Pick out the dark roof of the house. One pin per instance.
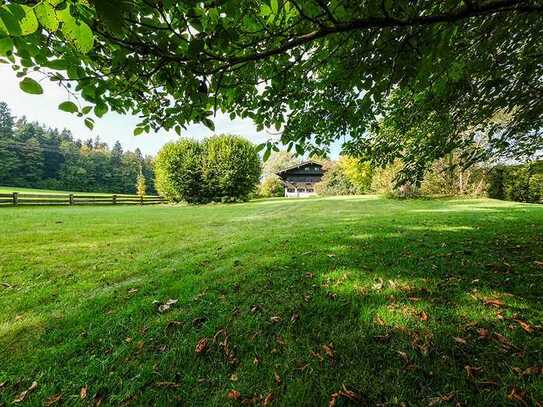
(301, 165)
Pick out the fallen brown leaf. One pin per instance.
(167, 305)
(201, 346)
(329, 350)
(524, 325)
(295, 317)
(483, 333)
(21, 397)
(517, 395)
(494, 303)
(460, 340)
(277, 378)
(233, 395)
(471, 371)
(275, 319)
(434, 401)
(423, 316)
(83, 392)
(506, 344)
(267, 400)
(343, 393)
(54, 399)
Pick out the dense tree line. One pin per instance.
(34, 156)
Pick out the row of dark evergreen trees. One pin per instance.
(34, 156)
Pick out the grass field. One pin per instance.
(288, 302)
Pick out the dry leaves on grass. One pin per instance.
(275, 319)
(472, 371)
(83, 392)
(494, 303)
(343, 393)
(277, 378)
(460, 340)
(201, 346)
(434, 401)
(233, 395)
(423, 316)
(517, 395)
(54, 399)
(225, 346)
(21, 397)
(524, 325)
(530, 371)
(166, 306)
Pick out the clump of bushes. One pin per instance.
(522, 183)
(271, 186)
(347, 176)
(222, 168)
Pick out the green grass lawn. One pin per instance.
(423, 302)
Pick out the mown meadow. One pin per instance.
(325, 301)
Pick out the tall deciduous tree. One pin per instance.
(316, 70)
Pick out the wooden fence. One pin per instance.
(20, 198)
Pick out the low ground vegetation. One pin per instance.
(413, 302)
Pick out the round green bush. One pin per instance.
(178, 171)
(231, 168)
(221, 168)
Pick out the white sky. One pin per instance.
(111, 127)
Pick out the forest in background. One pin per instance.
(35, 156)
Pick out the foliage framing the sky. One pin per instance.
(315, 70)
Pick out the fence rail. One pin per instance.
(20, 198)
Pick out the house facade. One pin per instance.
(300, 180)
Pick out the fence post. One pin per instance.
(71, 197)
(114, 198)
(15, 198)
(141, 199)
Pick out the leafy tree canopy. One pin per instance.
(436, 72)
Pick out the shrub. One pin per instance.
(222, 168)
(334, 181)
(231, 168)
(178, 171)
(271, 186)
(535, 188)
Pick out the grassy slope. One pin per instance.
(357, 271)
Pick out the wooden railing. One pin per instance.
(21, 198)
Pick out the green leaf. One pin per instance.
(112, 13)
(86, 109)
(267, 154)
(100, 109)
(274, 6)
(47, 16)
(208, 123)
(6, 46)
(29, 85)
(77, 33)
(89, 122)
(68, 106)
(18, 20)
(138, 131)
(260, 146)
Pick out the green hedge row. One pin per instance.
(522, 183)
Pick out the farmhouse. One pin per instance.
(300, 180)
